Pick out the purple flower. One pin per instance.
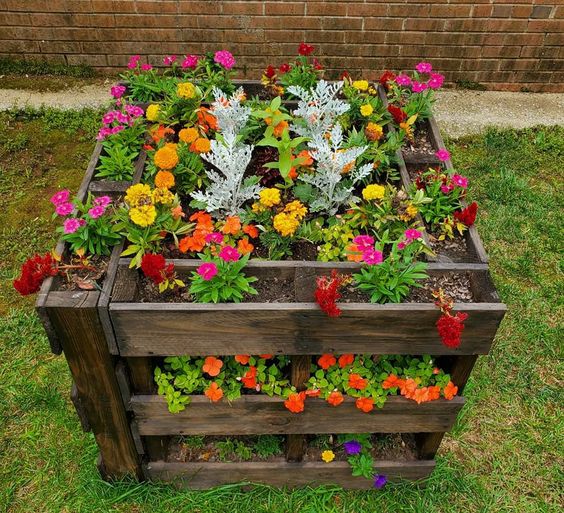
(102, 201)
(169, 59)
(229, 254)
(146, 67)
(436, 81)
(424, 67)
(60, 197)
(71, 225)
(64, 209)
(379, 481)
(418, 87)
(96, 212)
(117, 91)
(352, 447)
(372, 257)
(190, 61)
(207, 270)
(363, 242)
(133, 60)
(411, 234)
(403, 80)
(215, 237)
(443, 154)
(224, 58)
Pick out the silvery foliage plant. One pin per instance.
(332, 187)
(227, 191)
(318, 108)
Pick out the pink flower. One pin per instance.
(146, 67)
(60, 197)
(169, 59)
(401, 245)
(436, 81)
(117, 129)
(372, 257)
(121, 117)
(447, 188)
(108, 118)
(103, 133)
(214, 237)
(224, 58)
(363, 242)
(207, 270)
(117, 91)
(102, 201)
(443, 154)
(96, 212)
(71, 225)
(64, 209)
(411, 234)
(403, 80)
(132, 64)
(190, 61)
(424, 67)
(418, 87)
(229, 254)
(460, 180)
(134, 110)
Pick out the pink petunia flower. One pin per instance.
(190, 61)
(169, 59)
(207, 270)
(60, 197)
(424, 67)
(146, 67)
(411, 234)
(215, 237)
(64, 209)
(436, 81)
(372, 257)
(224, 58)
(117, 91)
(418, 87)
(96, 212)
(403, 80)
(460, 181)
(229, 254)
(443, 154)
(133, 60)
(102, 201)
(363, 242)
(71, 225)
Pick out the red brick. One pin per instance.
(502, 11)
(409, 10)
(249, 8)
(482, 11)
(157, 6)
(284, 8)
(450, 11)
(365, 10)
(541, 11)
(547, 26)
(521, 11)
(326, 9)
(501, 51)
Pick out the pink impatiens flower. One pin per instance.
(403, 80)
(60, 197)
(96, 212)
(117, 91)
(424, 67)
(207, 270)
(443, 154)
(224, 58)
(372, 257)
(411, 234)
(460, 181)
(169, 59)
(436, 81)
(190, 61)
(363, 242)
(215, 237)
(229, 254)
(71, 225)
(64, 209)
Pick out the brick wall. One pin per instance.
(504, 44)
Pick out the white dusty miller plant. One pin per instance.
(332, 185)
(227, 191)
(318, 108)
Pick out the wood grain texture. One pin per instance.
(79, 407)
(300, 367)
(281, 474)
(267, 415)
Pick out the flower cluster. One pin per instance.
(159, 272)
(449, 326)
(33, 273)
(327, 293)
(114, 121)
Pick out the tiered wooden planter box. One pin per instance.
(112, 343)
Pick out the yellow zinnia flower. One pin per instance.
(152, 112)
(297, 209)
(269, 197)
(186, 90)
(163, 196)
(327, 456)
(144, 215)
(166, 157)
(373, 191)
(360, 85)
(285, 224)
(139, 194)
(366, 110)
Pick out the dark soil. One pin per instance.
(421, 143)
(149, 293)
(455, 250)
(85, 279)
(301, 250)
(273, 290)
(457, 286)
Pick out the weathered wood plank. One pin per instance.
(281, 474)
(299, 375)
(262, 414)
(79, 407)
(104, 300)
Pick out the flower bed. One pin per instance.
(284, 220)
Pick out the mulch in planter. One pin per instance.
(82, 279)
(421, 143)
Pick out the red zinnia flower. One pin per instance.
(467, 215)
(34, 271)
(305, 49)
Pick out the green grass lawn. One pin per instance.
(504, 454)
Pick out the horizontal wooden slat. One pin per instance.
(281, 473)
(260, 414)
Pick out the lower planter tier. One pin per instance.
(282, 474)
(257, 414)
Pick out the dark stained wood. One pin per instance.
(123, 383)
(281, 474)
(79, 407)
(267, 415)
(137, 439)
(299, 375)
(104, 300)
(421, 159)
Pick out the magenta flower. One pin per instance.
(146, 67)
(108, 118)
(424, 67)
(224, 58)
(103, 133)
(117, 129)
(60, 197)
(214, 237)
(352, 447)
(121, 117)
(71, 225)
(133, 110)
(447, 188)
(418, 87)
(133, 60)
(64, 209)
(169, 59)
(117, 91)
(380, 481)
(436, 81)
(411, 234)
(372, 257)
(190, 61)
(96, 212)
(207, 270)
(363, 242)
(460, 181)
(401, 245)
(102, 201)
(403, 80)
(443, 154)
(229, 254)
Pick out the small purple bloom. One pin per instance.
(443, 154)
(363, 242)
(190, 61)
(424, 67)
(96, 212)
(460, 181)
(214, 237)
(436, 81)
(64, 209)
(224, 58)
(60, 197)
(169, 59)
(102, 201)
(403, 80)
(352, 447)
(146, 67)
(71, 225)
(412, 234)
(380, 481)
(372, 257)
(117, 91)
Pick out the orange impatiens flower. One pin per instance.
(391, 381)
(243, 359)
(266, 356)
(195, 242)
(450, 390)
(313, 393)
(212, 365)
(408, 387)
(326, 361)
(232, 226)
(251, 230)
(244, 246)
(335, 398)
(358, 382)
(214, 393)
(421, 395)
(353, 253)
(203, 220)
(249, 380)
(365, 404)
(295, 402)
(346, 359)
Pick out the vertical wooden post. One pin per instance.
(92, 368)
(299, 374)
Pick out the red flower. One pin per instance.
(317, 65)
(357, 382)
(34, 271)
(305, 49)
(345, 359)
(249, 380)
(397, 113)
(295, 402)
(345, 75)
(270, 72)
(327, 293)
(326, 361)
(386, 77)
(450, 328)
(467, 215)
(155, 268)
(284, 68)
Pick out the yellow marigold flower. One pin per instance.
(269, 197)
(372, 91)
(327, 456)
(257, 208)
(144, 215)
(285, 224)
(163, 196)
(374, 131)
(188, 135)
(411, 210)
(297, 209)
(186, 90)
(360, 85)
(152, 112)
(166, 157)
(200, 145)
(366, 110)
(138, 195)
(373, 191)
(164, 180)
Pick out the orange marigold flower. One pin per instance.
(390, 382)
(326, 361)
(188, 135)
(365, 404)
(164, 180)
(279, 128)
(450, 390)
(358, 382)
(212, 365)
(345, 359)
(244, 246)
(335, 398)
(251, 230)
(166, 157)
(295, 402)
(232, 225)
(243, 359)
(249, 380)
(200, 145)
(214, 393)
